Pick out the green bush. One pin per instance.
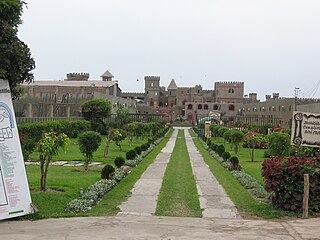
(119, 161)
(89, 142)
(234, 165)
(131, 154)
(138, 150)
(226, 156)
(278, 144)
(107, 171)
(37, 129)
(144, 147)
(220, 150)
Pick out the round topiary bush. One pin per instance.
(119, 161)
(226, 156)
(234, 160)
(220, 149)
(144, 147)
(107, 171)
(138, 150)
(130, 155)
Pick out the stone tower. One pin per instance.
(229, 92)
(172, 93)
(152, 90)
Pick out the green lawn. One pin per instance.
(67, 180)
(109, 204)
(72, 152)
(178, 195)
(71, 179)
(243, 200)
(252, 168)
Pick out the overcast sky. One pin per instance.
(271, 45)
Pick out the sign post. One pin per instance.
(305, 129)
(15, 199)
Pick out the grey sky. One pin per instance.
(271, 45)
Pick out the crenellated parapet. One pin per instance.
(78, 76)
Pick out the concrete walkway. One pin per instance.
(143, 201)
(152, 227)
(213, 199)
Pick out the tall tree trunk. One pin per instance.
(252, 152)
(46, 168)
(106, 150)
(42, 186)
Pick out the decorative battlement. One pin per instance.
(152, 78)
(78, 76)
(229, 83)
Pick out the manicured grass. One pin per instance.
(109, 204)
(252, 168)
(72, 152)
(243, 200)
(67, 180)
(178, 195)
(71, 179)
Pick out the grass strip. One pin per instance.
(109, 204)
(243, 200)
(178, 195)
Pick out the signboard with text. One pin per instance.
(15, 199)
(305, 129)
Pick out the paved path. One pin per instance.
(152, 227)
(143, 201)
(213, 199)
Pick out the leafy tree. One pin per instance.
(236, 137)
(48, 147)
(253, 139)
(118, 136)
(16, 62)
(89, 142)
(95, 110)
(278, 144)
(122, 116)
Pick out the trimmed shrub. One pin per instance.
(119, 161)
(234, 165)
(284, 179)
(138, 150)
(144, 147)
(220, 150)
(130, 155)
(107, 171)
(226, 156)
(89, 142)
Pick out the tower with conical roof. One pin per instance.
(107, 76)
(172, 93)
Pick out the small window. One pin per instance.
(231, 107)
(206, 107)
(199, 106)
(156, 93)
(215, 107)
(181, 92)
(184, 102)
(190, 106)
(231, 90)
(152, 84)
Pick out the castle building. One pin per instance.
(64, 98)
(190, 103)
(277, 108)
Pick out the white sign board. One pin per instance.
(15, 199)
(305, 129)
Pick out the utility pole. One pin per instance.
(296, 93)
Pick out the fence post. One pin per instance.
(306, 196)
